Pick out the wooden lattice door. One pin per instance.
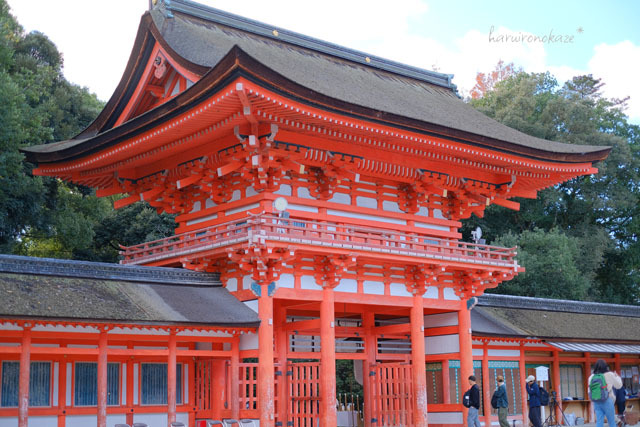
(304, 394)
(392, 390)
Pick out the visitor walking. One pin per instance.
(533, 391)
(601, 385)
(502, 402)
(473, 396)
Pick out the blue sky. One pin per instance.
(450, 36)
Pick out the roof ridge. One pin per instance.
(569, 306)
(101, 270)
(283, 35)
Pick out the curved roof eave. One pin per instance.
(236, 60)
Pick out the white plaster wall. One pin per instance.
(449, 294)
(367, 217)
(123, 399)
(389, 206)
(437, 213)
(235, 196)
(432, 292)
(135, 383)
(375, 288)
(48, 421)
(366, 202)
(196, 207)
(68, 379)
(431, 226)
(249, 342)
(209, 204)
(303, 208)
(160, 419)
(303, 193)
(445, 418)
(423, 211)
(399, 290)
(347, 285)
(60, 328)
(242, 208)
(477, 352)
(309, 282)
(441, 319)
(56, 383)
(500, 352)
(342, 198)
(204, 346)
(442, 344)
(185, 383)
(252, 304)
(246, 282)
(203, 219)
(284, 190)
(232, 284)
(250, 191)
(286, 281)
(91, 420)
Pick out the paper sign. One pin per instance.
(542, 373)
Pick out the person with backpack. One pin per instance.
(601, 385)
(471, 400)
(533, 391)
(500, 402)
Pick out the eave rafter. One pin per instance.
(266, 155)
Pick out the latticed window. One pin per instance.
(435, 392)
(510, 371)
(39, 384)
(85, 390)
(458, 385)
(630, 378)
(153, 383)
(571, 381)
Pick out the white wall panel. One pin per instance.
(441, 319)
(442, 344)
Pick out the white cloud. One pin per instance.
(618, 67)
(96, 39)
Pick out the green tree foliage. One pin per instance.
(594, 218)
(43, 216)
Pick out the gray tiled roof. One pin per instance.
(205, 35)
(76, 290)
(556, 319)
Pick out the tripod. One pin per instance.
(551, 419)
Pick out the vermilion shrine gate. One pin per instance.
(216, 117)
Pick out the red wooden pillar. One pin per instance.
(171, 378)
(466, 356)
(282, 350)
(487, 385)
(102, 378)
(616, 363)
(62, 391)
(446, 382)
(523, 389)
(265, 358)
(418, 367)
(585, 386)
(23, 386)
(130, 382)
(234, 387)
(370, 348)
(328, 410)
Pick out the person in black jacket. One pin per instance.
(474, 403)
(534, 401)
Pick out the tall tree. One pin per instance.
(598, 213)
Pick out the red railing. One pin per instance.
(262, 228)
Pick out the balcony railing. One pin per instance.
(330, 235)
